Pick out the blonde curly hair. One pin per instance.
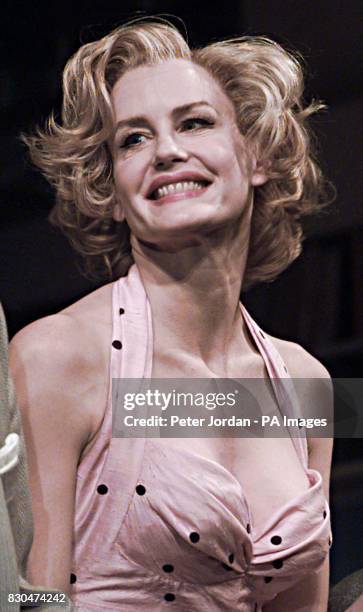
(264, 83)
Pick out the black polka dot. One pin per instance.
(267, 579)
(194, 537)
(227, 568)
(276, 540)
(140, 490)
(117, 344)
(248, 528)
(285, 368)
(169, 597)
(102, 489)
(168, 568)
(122, 311)
(324, 514)
(73, 578)
(278, 563)
(231, 558)
(261, 333)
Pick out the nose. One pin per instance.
(168, 151)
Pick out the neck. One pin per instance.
(194, 296)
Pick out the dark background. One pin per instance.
(318, 302)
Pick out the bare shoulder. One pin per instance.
(315, 396)
(60, 357)
(300, 363)
(312, 379)
(67, 341)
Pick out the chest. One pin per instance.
(268, 470)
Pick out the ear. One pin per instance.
(118, 213)
(260, 172)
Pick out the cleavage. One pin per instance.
(268, 470)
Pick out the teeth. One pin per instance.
(175, 187)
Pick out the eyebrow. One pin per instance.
(140, 120)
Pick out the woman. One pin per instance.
(196, 166)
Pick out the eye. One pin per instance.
(132, 140)
(195, 123)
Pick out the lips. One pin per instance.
(172, 184)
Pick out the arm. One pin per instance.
(311, 594)
(47, 370)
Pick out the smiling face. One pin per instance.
(181, 166)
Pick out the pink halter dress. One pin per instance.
(159, 528)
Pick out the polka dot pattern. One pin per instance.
(183, 556)
(227, 567)
(194, 537)
(169, 597)
(73, 578)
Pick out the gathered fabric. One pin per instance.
(158, 527)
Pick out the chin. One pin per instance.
(174, 227)
(172, 240)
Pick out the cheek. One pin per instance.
(217, 156)
(129, 173)
(120, 185)
(225, 156)
(126, 180)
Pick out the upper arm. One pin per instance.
(315, 395)
(45, 369)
